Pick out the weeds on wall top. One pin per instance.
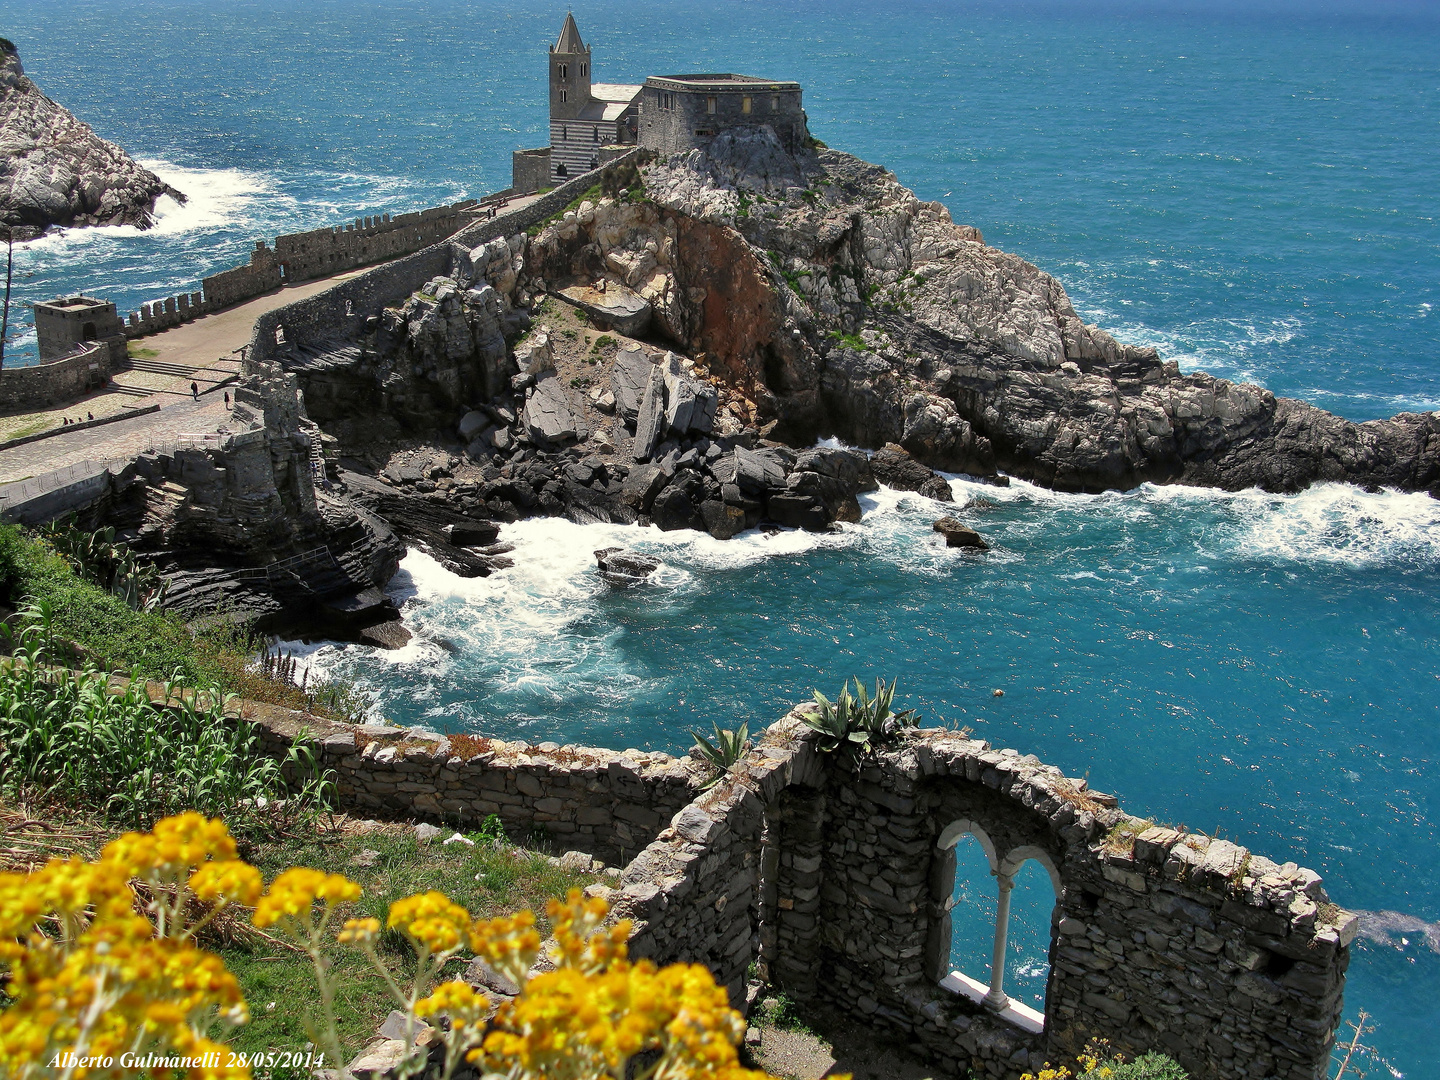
(856, 726)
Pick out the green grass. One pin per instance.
(139, 353)
(43, 422)
(850, 341)
(157, 645)
(487, 880)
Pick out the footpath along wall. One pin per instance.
(339, 313)
(839, 886)
(298, 257)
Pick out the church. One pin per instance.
(593, 122)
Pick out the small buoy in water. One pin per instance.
(997, 693)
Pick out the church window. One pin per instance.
(745, 105)
(564, 71)
(710, 105)
(596, 133)
(584, 70)
(562, 170)
(564, 95)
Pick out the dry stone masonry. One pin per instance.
(838, 886)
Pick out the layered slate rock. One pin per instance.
(54, 170)
(870, 314)
(620, 567)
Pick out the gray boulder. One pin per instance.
(620, 567)
(548, 417)
(895, 468)
(673, 510)
(617, 308)
(650, 422)
(958, 535)
(472, 424)
(756, 471)
(628, 377)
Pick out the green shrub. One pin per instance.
(727, 749)
(72, 735)
(113, 636)
(1146, 1067)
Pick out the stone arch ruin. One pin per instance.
(835, 884)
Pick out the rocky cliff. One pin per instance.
(658, 351)
(54, 170)
(866, 313)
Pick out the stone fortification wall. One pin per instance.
(65, 379)
(339, 313)
(839, 886)
(608, 803)
(530, 169)
(298, 257)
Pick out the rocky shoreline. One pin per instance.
(55, 171)
(689, 345)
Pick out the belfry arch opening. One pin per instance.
(991, 944)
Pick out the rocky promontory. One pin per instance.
(54, 170)
(673, 347)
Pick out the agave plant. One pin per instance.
(114, 567)
(728, 748)
(856, 725)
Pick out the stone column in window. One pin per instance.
(996, 998)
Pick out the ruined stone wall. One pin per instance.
(66, 379)
(608, 803)
(838, 885)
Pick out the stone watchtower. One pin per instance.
(569, 73)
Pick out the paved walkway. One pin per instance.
(164, 365)
(122, 439)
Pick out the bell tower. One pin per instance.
(569, 73)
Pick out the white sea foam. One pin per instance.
(215, 197)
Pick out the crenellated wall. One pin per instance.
(839, 886)
(298, 257)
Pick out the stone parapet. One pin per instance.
(608, 803)
(65, 379)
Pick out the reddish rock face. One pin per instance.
(741, 325)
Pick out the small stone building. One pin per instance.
(70, 321)
(670, 114)
(684, 112)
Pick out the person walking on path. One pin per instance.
(195, 391)
(227, 399)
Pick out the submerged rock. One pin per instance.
(621, 567)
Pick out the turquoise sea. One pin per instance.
(1251, 188)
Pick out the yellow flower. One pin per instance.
(229, 882)
(294, 892)
(175, 846)
(432, 919)
(359, 932)
(509, 945)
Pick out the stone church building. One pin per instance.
(592, 122)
